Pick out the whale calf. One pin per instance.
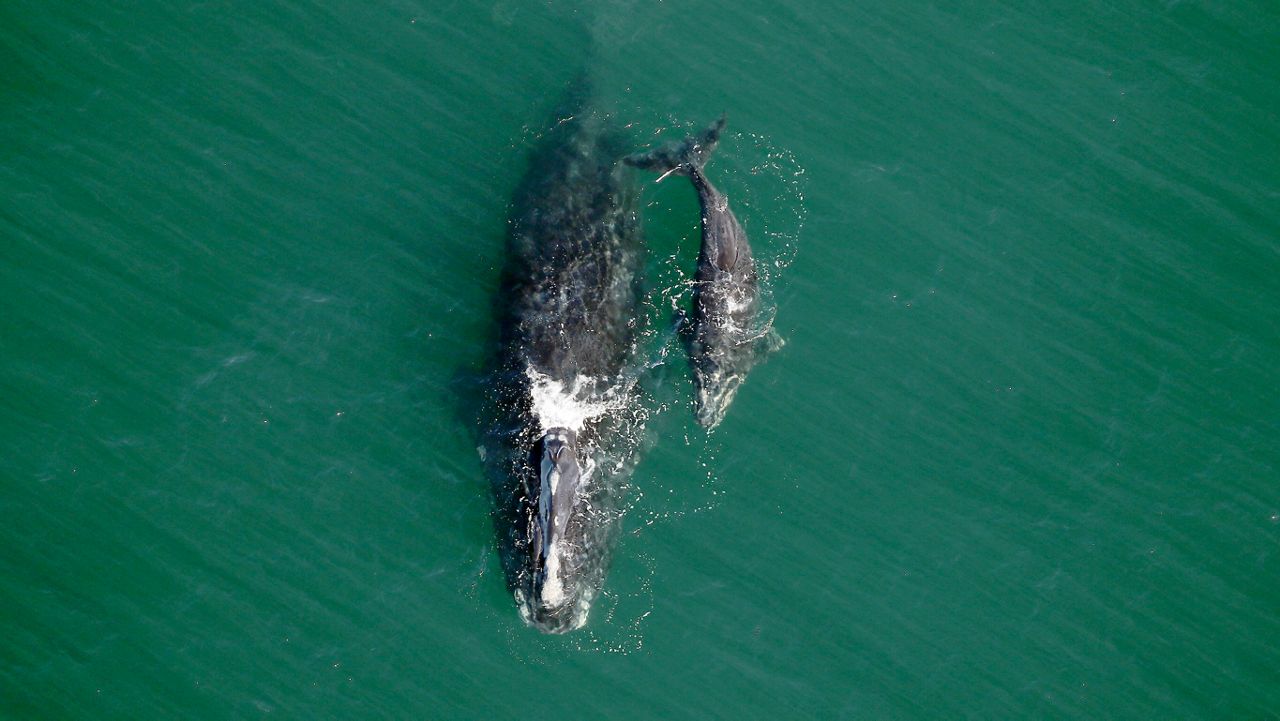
(567, 306)
(721, 335)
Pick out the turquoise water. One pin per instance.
(1017, 459)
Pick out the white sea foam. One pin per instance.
(558, 406)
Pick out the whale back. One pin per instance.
(574, 254)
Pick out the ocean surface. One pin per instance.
(1019, 457)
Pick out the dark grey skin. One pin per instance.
(567, 308)
(721, 333)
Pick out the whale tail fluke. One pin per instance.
(680, 158)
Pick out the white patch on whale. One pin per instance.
(552, 584)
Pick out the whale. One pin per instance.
(722, 334)
(561, 435)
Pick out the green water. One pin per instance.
(1018, 458)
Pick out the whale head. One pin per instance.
(556, 600)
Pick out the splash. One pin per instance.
(559, 405)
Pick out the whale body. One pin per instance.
(567, 305)
(722, 334)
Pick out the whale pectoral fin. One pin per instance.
(679, 320)
(768, 343)
(683, 326)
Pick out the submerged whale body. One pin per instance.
(722, 335)
(562, 430)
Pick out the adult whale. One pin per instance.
(562, 433)
(722, 336)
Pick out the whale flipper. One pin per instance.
(769, 342)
